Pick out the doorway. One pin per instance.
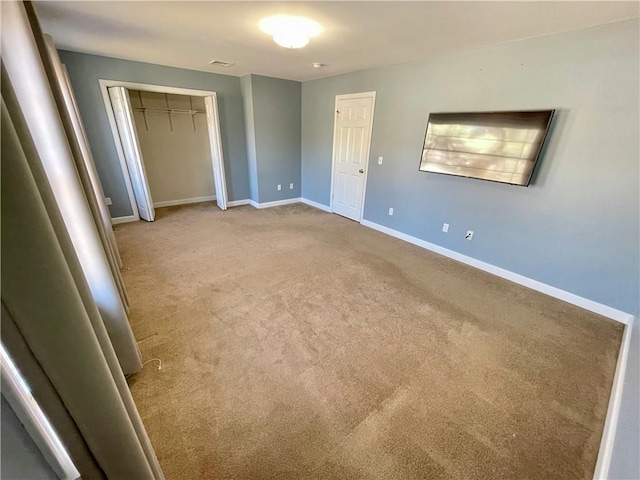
(351, 147)
(131, 120)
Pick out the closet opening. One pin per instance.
(168, 144)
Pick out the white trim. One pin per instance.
(104, 90)
(288, 201)
(613, 412)
(555, 292)
(127, 219)
(317, 205)
(238, 203)
(156, 88)
(184, 201)
(215, 143)
(347, 96)
(35, 422)
(121, 158)
(276, 203)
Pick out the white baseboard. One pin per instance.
(613, 411)
(238, 203)
(127, 219)
(555, 292)
(615, 399)
(253, 203)
(277, 203)
(317, 205)
(184, 201)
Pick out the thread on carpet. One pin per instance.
(154, 360)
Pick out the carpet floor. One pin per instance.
(297, 344)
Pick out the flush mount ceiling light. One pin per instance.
(289, 31)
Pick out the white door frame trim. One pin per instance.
(348, 96)
(104, 86)
(34, 420)
(607, 440)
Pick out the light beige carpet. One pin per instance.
(297, 344)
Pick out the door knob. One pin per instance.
(361, 170)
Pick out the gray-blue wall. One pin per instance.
(86, 70)
(577, 226)
(273, 127)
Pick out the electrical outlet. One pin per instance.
(379, 160)
(279, 187)
(445, 227)
(391, 211)
(108, 201)
(469, 235)
(291, 186)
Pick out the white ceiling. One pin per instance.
(357, 35)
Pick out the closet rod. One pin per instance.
(168, 110)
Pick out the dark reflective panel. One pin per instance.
(497, 146)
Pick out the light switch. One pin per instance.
(379, 160)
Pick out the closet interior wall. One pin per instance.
(173, 138)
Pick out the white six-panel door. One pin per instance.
(351, 145)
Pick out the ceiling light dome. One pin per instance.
(289, 31)
(291, 39)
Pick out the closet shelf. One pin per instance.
(182, 111)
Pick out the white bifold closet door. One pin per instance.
(86, 166)
(211, 108)
(123, 114)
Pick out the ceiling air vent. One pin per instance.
(220, 63)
